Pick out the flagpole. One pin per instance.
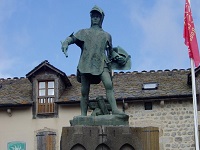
(194, 105)
(191, 42)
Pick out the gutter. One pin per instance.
(155, 98)
(15, 105)
(135, 99)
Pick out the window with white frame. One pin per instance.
(46, 97)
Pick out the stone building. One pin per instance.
(34, 109)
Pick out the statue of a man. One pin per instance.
(94, 63)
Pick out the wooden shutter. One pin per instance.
(150, 137)
(46, 105)
(40, 141)
(46, 140)
(51, 141)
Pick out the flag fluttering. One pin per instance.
(190, 35)
(191, 42)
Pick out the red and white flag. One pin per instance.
(190, 35)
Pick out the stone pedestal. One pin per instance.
(100, 137)
(106, 120)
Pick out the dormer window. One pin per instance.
(48, 85)
(46, 97)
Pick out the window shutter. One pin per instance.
(40, 141)
(150, 136)
(46, 140)
(51, 141)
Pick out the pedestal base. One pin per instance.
(107, 120)
(100, 137)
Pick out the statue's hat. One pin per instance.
(98, 9)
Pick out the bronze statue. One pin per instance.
(95, 60)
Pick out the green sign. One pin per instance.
(16, 146)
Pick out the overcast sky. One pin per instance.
(150, 31)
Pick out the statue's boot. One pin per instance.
(117, 112)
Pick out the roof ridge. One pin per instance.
(13, 78)
(42, 64)
(144, 71)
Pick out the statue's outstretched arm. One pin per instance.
(69, 40)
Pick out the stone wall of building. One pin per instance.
(175, 121)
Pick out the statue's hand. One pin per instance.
(64, 47)
(120, 60)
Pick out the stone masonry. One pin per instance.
(175, 122)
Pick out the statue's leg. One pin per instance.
(106, 79)
(85, 88)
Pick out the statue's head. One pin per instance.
(97, 16)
